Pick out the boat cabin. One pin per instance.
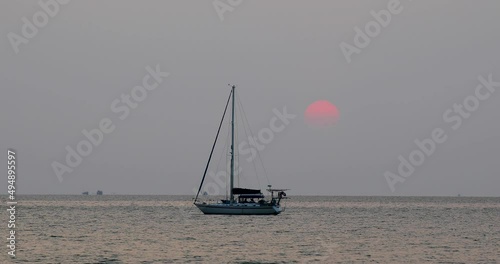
(250, 198)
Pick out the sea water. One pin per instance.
(169, 229)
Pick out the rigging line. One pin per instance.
(220, 159)
(246, 135)
(226, 151)
(213, 147)
(251, 133)
(258, 153)
(245, 126)
(241, 174)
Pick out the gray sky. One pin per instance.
(280, 54)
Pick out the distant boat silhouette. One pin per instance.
(85, 193)
(99, 192)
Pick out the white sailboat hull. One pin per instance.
(239, 209)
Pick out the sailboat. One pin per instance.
(241, 201)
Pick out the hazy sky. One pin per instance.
(395, 90)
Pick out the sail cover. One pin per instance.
(245, 191)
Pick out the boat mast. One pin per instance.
(232, 147)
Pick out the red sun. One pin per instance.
(322, 113)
